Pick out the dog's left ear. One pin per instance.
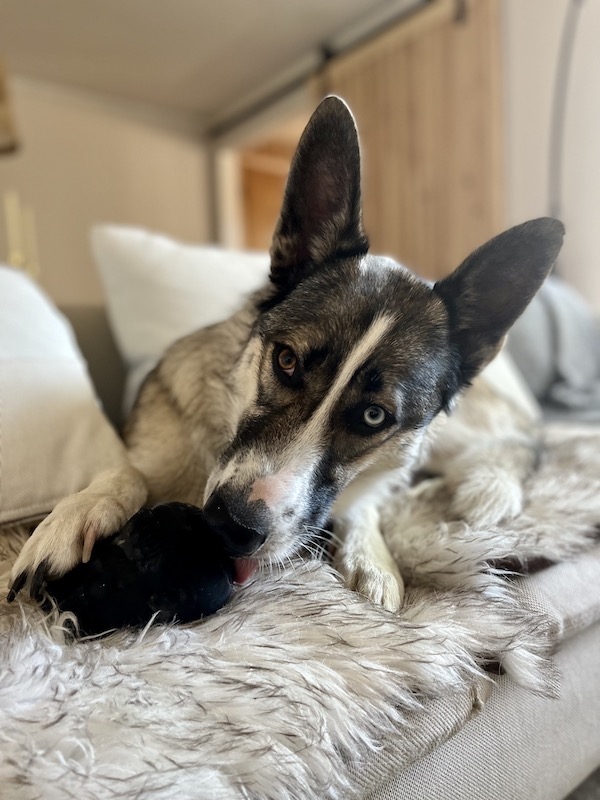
(494, 285)
(321, 214)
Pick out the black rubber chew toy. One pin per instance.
(165, 559)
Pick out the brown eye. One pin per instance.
(287, 361)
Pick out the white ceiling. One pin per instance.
(202, 56)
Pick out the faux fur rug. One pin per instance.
(272, 696)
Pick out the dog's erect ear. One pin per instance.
(321, 214)
(494, 285)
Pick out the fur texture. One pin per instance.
(255, 702)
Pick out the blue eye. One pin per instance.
(374, 416)
(367, 420)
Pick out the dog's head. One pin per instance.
(352, 356)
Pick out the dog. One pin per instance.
(326, 392)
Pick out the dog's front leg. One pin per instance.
(487, 480)
(365, 563)
(362, 556)
(486, 450)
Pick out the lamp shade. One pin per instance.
(8, 136)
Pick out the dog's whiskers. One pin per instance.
(316, 549)
(323, 533)
(314, 543)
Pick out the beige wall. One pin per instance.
(87, 159)
(532, 30)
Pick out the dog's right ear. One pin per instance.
(494, 285)
(321, 217)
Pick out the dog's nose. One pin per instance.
(239, 540)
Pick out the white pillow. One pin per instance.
(159, 290)
(53, 436)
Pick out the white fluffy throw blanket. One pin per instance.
(274, 695)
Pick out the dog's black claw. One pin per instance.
(18, 584)
(38, 581)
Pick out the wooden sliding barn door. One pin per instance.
(426, 97)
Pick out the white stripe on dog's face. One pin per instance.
(312, 435)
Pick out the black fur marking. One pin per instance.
(282, 290)
(324, 489)
(302, 271)
(251, 428)
(452, 384)
(316, 357)
(373, 381)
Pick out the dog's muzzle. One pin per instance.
(239, 540)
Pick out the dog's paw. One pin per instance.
(378, 580)
(379, 586)
(63, 539)
(487, 497)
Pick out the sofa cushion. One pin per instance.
(49, 415)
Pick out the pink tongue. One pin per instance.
(244, 569)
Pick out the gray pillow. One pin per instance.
(556, 346)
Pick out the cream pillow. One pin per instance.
(158, 290)
(53, 435)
